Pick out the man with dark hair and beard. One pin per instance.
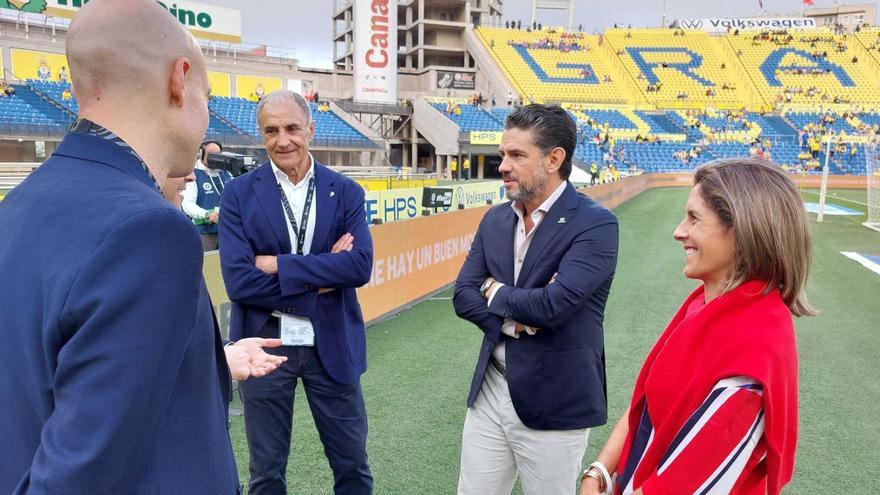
(535, 282)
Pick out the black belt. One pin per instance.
(498, 366)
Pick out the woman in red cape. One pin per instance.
(714, 408)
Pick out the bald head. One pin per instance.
(124, 48)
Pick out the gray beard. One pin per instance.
(528, 193)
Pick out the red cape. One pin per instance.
(741, 333)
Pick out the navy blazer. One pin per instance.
(252, 222)
(113, 378)
(557, 376)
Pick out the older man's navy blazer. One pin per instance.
(113, 379)
(557, 376)
(252, 223)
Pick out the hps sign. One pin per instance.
(204, 21)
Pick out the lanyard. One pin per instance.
(307, 210)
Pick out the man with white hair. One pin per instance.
(294, 246)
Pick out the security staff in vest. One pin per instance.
(201, 199)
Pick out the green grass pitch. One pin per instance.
(421, 363)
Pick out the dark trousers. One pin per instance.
(338, 409)
(210, 242)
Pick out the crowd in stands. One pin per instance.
(548, 43)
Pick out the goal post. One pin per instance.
(873, 170)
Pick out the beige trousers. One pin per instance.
(496, 446)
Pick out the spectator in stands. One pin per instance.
(201, 199)
(300, 287)
(138, 376)
(533, 423)
(66, 95)
(509, 98)
(62, 75)
(6, 89)
(737, 403)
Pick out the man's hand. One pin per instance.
(520, 328)
(214, 217)
(246, 358)
(267, 264)
(344, 244)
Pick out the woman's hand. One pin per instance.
(590, 486)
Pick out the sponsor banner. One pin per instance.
(436, 197)
(413, 259)
(478, 194)
(28, 64)
(486, 137)
(455, 80)
(721, 25)
(255, 87)
(204, 21)
(375, 51)
(393, 205)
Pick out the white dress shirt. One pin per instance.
(296, 196)
(191, 194)
(521, 243)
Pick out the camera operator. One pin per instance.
(201, 199)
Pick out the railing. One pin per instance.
(324, 141)
(11, 174)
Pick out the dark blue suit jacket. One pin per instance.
(557, 376)
(112, 379)
(252, 222)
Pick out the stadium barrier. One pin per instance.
(416, 258)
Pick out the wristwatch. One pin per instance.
(485, 287)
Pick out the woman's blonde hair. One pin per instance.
(770, 226)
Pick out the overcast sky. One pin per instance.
(306, 27)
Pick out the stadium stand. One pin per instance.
(557, 66)
(649, 99)
(330, 129)
(679, 69)
(808, 67)
(469, 117)
(23, 113)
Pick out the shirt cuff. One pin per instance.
(509, 328)
(493, 291)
